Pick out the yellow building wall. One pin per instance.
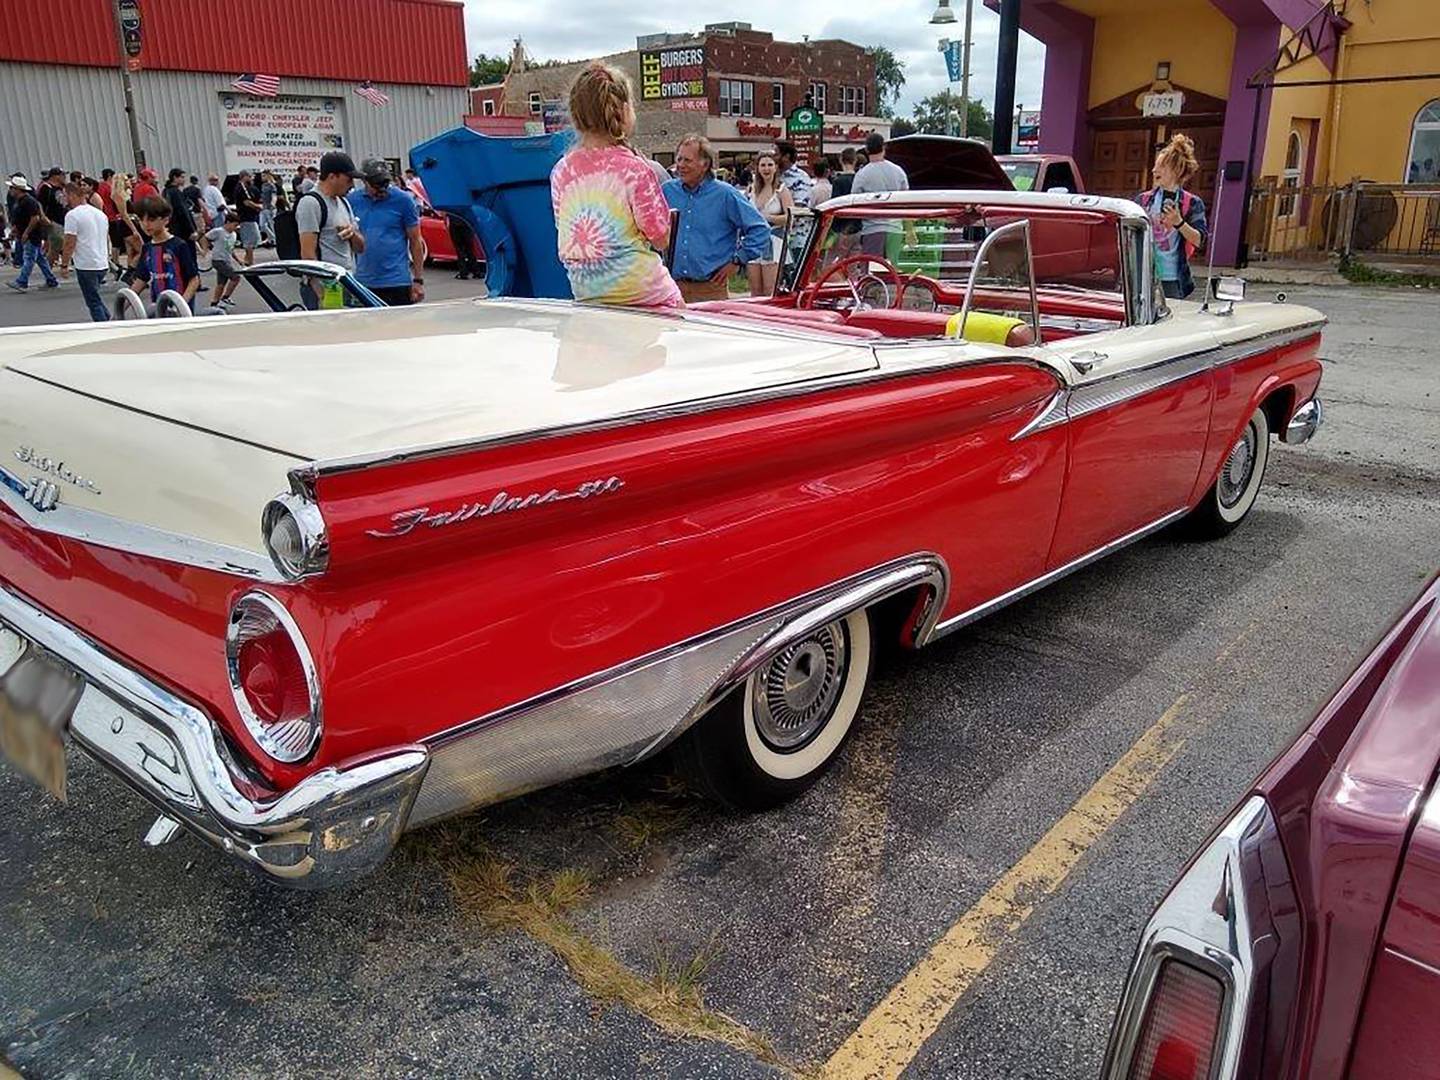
(1196, 39)
(1365, 128)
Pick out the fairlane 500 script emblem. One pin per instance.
(28, 455)
(407, 521)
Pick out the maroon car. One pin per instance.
(1303, 939)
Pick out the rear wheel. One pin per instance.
(778, 732)
(1233, 494)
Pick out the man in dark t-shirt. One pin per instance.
(27, 218)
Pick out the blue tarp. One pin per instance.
(501, 186)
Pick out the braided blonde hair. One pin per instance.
(598, 100)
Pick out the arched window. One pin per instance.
(1424, 164)
(1294, 165)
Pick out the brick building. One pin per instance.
(730, 82)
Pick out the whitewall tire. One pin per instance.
(1237, 484)
(776, 734)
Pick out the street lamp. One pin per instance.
(943, 15)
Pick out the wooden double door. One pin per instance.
(1121, 158)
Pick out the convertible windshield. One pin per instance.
(1007, 272)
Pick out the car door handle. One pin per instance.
(1084, 361)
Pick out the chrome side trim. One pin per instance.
(1108, 390)
(626, 713)
(93, 527)
(335, 825)
(1054, 413)
(955, 622)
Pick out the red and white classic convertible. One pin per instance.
(306, 580)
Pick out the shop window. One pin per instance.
(1424, 164)
(852, 100)
(817, 96)
(535, 102)
(737, 97)
(1290, 177)
(777, 100)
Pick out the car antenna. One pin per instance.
(1210, 246)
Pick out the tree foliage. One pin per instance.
(931, 112)
(485, 70)
(889, 79)
(900, 126)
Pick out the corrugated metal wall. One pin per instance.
(405, 41)
(74, 117)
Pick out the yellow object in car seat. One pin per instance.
(982, 327)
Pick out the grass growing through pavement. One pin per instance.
(504, 897)
(1361, 273)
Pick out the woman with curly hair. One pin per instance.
(609, 210)
(1177, 216)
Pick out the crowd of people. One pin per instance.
(158, 236)
(612, 206)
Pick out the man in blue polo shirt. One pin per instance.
(720, 231)
(393, 262)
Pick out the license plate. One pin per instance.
(37, 699)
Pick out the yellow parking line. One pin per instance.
(889, 1038)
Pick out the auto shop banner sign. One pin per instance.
(673, 75)
(282, 132)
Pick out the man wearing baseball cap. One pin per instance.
(324, 218)
(28, 223)
(393, 262)
(145, 186)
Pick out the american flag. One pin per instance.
(259, 85)
(370, 94)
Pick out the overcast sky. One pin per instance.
(553, 30)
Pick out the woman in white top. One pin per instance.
(774, 201)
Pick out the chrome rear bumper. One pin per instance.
(335, 825)
(1304, 423)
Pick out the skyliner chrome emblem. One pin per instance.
(28, 455)
(407, 521)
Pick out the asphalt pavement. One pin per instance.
(615, 927)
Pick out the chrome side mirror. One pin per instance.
(1230, 288)
(1228, 291)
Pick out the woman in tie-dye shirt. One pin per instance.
(609, 210)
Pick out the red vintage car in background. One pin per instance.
(1303, 939)
(306, 579)
(435, 232)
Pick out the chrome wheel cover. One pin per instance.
(1238, 468)
(794, 695)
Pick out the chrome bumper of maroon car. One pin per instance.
(335, 825)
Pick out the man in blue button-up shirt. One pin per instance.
(720, 231)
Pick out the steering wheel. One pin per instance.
(806, 299)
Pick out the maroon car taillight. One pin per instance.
(1177, 1039)
(1211, 991)
(273, 678)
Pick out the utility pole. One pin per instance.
(1005, 74)
(965, 73)
(127, 36)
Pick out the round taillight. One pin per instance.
(273, 678)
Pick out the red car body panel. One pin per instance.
(741, 504)
(435, 231)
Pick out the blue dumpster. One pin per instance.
(501, 186)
